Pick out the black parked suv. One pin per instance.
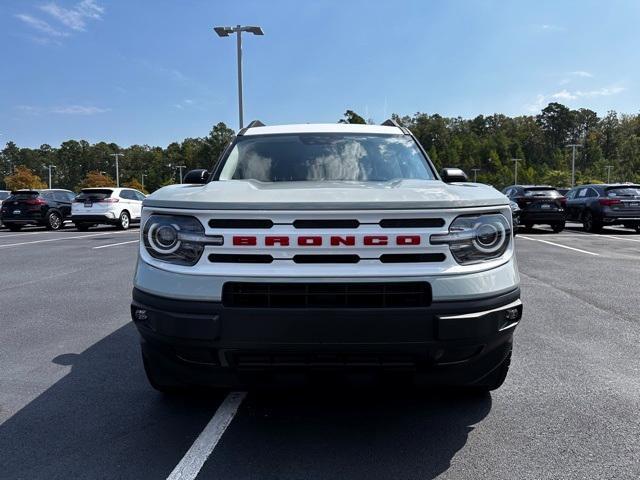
(48, 208)
(605, 204)
(539, 204)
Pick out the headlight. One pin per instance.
(176, 239)
(476, 238)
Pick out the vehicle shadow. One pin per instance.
(101, 420)
(347, 433)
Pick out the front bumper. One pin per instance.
(206, 343)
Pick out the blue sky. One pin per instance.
(153, 72)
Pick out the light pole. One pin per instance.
(238, 29)
(475, 174)
(49, 167)
(117, 156)
(180, 167)
(142, 176)
(608, 167)
(515, 169)
(573, 162)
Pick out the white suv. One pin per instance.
(111, 206)
(326, 248)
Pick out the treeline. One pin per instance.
(488, 143)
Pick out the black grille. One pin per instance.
(241, 258)
(326, 295)
(240, 223)
(326, 258)
(411, 222)
(412, 257)
(337, 223)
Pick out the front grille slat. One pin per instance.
(326, 295)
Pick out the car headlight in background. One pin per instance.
(476, 238)
(177, 239)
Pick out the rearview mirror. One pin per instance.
(450, 175)
(198, 177)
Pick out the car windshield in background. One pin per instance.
(331, 157)
(23, 195)
(94, 195)
(541, 192)
(4, 195)
(623, 192)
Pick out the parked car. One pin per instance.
(48, 208)
(4, 194)
(326, 247)
(515, 215)
(539, 204)
(563, 191)
(107, 206)
(600, 205)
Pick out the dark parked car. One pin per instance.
(515, 214)
(539, 204)
(49, 208)
(606, 204)
(4, 194)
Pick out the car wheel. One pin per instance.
(590, 223)
(125, 221)
(82, 227)
(557, 227)
(496, 378)
(54, 221)
(528, 227)
(13, 228)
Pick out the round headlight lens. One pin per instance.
(476, 238)
(174, 238)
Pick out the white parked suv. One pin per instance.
(111, 206)
(326, 248)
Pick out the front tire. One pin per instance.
(125, 221)
(557, 227)
(13, 227)
(54, 221)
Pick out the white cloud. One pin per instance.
(581, 73)
(570, 96)
(62, 110)
(564, 95)
(75, 18)
(65, 20)
(41, 25)
(550, 27)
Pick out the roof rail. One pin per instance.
(390, 122)
(254, 123)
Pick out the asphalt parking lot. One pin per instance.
(74, 401)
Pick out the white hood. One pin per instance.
(326, 195)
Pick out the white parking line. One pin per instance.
(559, 245)
(194, 459)
(114, 244)
(36, 233)
(62, 238)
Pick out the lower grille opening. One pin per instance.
(321, 360)
(326, 295)
(326, 258)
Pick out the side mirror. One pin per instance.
(450, 175)
(198, 177)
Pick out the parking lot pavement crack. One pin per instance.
(584, 299)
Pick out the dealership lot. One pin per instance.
(74, 401)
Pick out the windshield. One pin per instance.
(541, 192)
(94, 195)
(23, 195)
(4, 195)
(631, 191)
(331, 157)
